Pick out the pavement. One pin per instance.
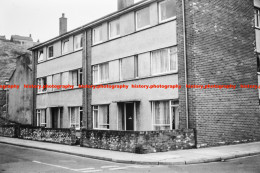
(179, 157)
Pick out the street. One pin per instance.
(15, 159)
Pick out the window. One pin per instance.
(114, 29)
(101, 73)
(65, 47)
(41, 117)
(76, 77)
(165, 115)
(50, 51)
(143, 18)
(75, 114)
(101, 117)
(257, 18)
(167, 10)
(97, 35)
(42, 82)
(56, 80)
(164, 61)
(128, 68)
(78, 42)
(40, 55)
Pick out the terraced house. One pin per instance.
(161, 42)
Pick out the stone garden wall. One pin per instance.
(8, 131)
(138, 142)
(61, 136)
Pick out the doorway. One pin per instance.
(129, 116)
(56, 117)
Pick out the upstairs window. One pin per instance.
(56, 80)
(42, 82)
(257, 18)
(129, 68)
(97, 35)
(167, 10)
(40, 55)
(143, 18)
(76, 77)
(101, 73)
(164, 61)
(114, 29)
(78, 42)
(41, 118)
(65, 47)
(50, 51)
(101, 117)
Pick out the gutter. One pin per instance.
(185, 63)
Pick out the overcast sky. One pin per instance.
(41, 17)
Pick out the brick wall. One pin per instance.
(138, 141)
(220, 46)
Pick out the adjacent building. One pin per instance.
(155, 42)
(20, 105)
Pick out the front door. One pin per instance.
(55, 116)
(129, 116)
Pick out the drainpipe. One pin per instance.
(185, 63)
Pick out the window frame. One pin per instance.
(98, 73)
(169, 59)
(135, 70)
(80, 43)
(38, 55)
(41, 90)
(160, 16)
(93, 35)
(80, 110)
(48, 50)
(136, 20)
(109, 29)
(79, 77)
(172, 103)
(62, 47)
(93, 111)
(38, 116)
(257, 17)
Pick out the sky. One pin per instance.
(41, 17)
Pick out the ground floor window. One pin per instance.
(101, 117)
(165, 115)
(75, 114)
(41, 117)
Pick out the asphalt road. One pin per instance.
(24, 160)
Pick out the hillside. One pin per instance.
(8, 53)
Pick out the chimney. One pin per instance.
(30, 35)
(63, 24)
(121, 4)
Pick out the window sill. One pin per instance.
(100, 129)
(166, 20)
(145, 27)
(78, 49)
